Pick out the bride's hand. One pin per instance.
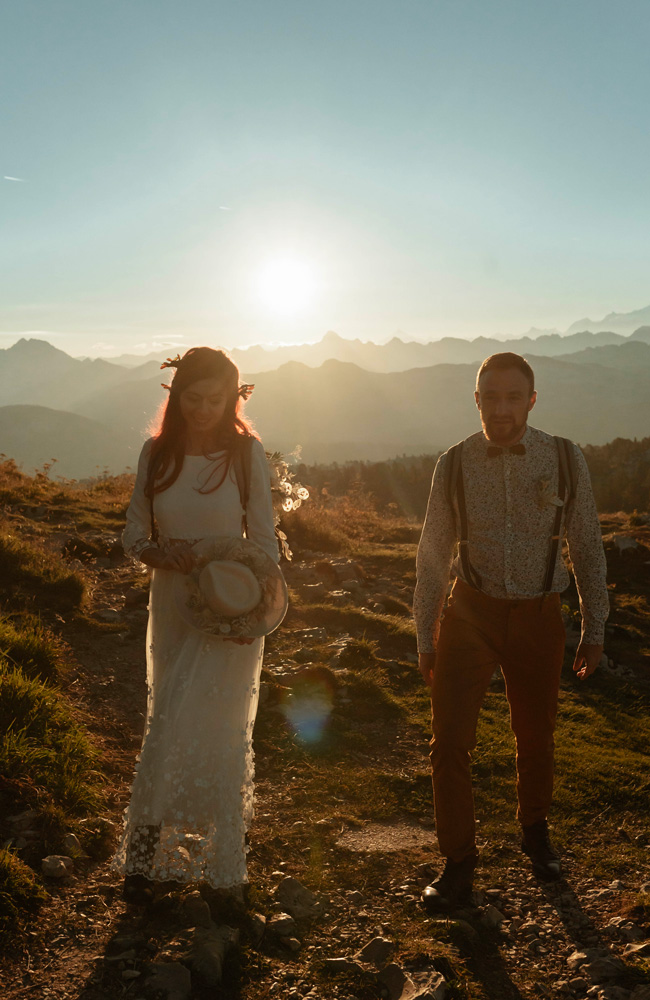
(180, 559)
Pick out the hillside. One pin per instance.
(343, 791)
(340, 411)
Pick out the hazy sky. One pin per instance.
(248, 172)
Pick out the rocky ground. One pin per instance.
(342, 843)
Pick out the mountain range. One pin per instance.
(91, 414)
(398, 355)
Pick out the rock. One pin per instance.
(195, 912)
(492, 917)
(341, 965)
(641, 992)
(623, 542)
(135, 597)
(258, 927)
(578, 984)
(637, 950)
(632, 932)
(436, 989)
(282, 925)
(398, 984)
(579, 958)
(124, 956)
(171, 979)
(377, 951)
(131, 974)
(73, 846)
(603, 970)
(57, 866)
(292, 943)
(354, 897)
(209, 949)
(23, 820)
(109, 615)
(313, 635)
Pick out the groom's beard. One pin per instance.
(502, 431)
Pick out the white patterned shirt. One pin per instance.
(511, 502)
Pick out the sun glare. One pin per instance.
(286, 286)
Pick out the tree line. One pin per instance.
(620, 474)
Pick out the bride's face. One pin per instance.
(203, 404)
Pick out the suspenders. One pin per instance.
(455, 490)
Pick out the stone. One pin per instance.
(131, 974)
(282, 925)
(637, 950)
(341, 965)
(258, 927)
(492, 917)
(297, 900)
(292, 943)
(209, 949)
(73, 846)
(623, 542)
(436, 989)
(632, 932)
(377, 951)
(580, 958)
(171, 979)
(641, 992)
(399, 985)
(603, 970)
(314, 635)
(195, 911)
(57, 866)
(578, 984)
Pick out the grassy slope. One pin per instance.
(347, 749)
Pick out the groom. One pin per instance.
(502, 499)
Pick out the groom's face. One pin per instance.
(504, 401)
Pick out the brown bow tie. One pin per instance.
(514, 449)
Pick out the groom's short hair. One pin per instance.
(507, 359)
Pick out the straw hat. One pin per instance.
(234, 591)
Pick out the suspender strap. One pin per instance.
(471, 576)
(564, 493)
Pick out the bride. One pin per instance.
(192, 798)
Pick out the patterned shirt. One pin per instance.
(511, 501)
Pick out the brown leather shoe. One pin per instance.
(451, 889)
(536, 843)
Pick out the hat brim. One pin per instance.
(263, 619)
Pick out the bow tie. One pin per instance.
(514, 449)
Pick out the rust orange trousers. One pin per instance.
(525, 637)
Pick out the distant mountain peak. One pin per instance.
(30, 346)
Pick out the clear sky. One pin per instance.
(248, 172)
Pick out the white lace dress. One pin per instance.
(192, 797)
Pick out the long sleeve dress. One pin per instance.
(193, 786)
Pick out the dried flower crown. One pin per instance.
(244, 390)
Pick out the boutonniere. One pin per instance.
(545, 495)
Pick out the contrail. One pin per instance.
(21, 180)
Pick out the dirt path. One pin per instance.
(572, 939)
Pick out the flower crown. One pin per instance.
(244, 389)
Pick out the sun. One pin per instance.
(286, 285)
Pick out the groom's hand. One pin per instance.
(587, 659)
(426, 662)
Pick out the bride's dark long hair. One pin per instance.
(168, 447)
